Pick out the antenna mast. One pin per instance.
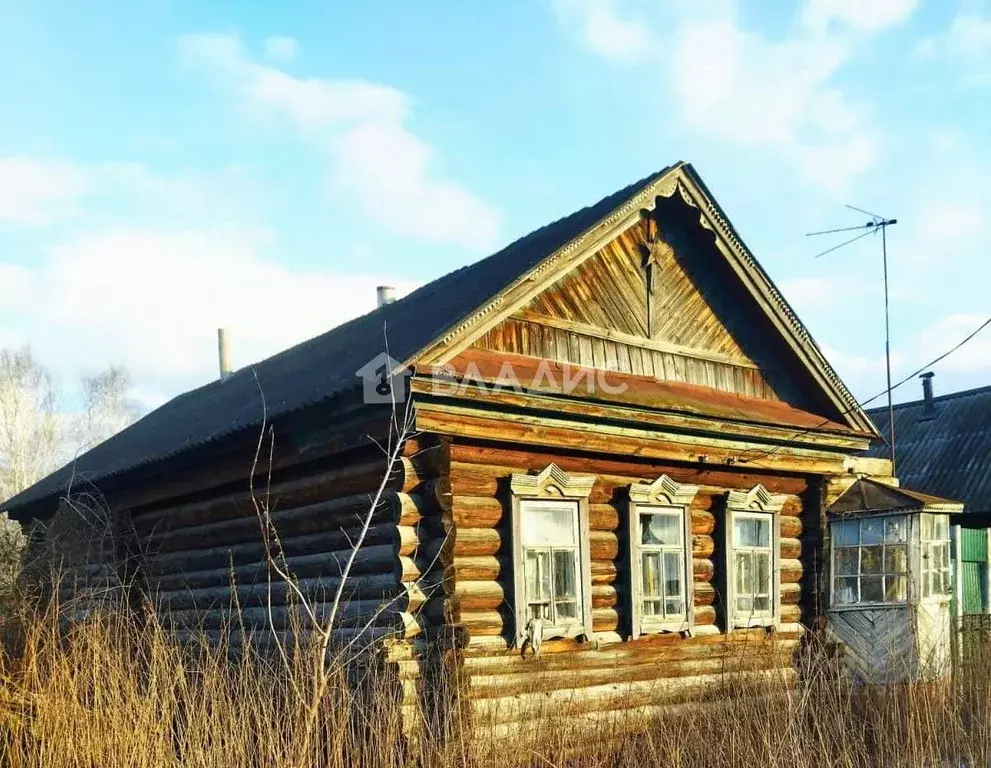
(875, 224)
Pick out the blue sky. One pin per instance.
(167, 167)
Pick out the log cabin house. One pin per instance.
(615, 494)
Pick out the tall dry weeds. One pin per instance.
(116, 691)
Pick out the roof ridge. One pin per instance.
(938, 398)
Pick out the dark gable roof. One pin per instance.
(325, 365)
(948, 454)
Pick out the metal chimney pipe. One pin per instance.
(929, 407)
(385, 294)
(223, 352)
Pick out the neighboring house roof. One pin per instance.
(440, 312)
(946, 451)
(866, 496)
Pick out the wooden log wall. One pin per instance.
(619, 673)
(205, 562)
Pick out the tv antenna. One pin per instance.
(876, 224)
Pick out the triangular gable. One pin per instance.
(577, 257)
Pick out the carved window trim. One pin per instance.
(552, 484)
(662, 494)
(757, 501)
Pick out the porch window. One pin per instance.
(752, 577)
(660, 556)
(870, 560)
(935, 555)
(552, 573)
(551, 563)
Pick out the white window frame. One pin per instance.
(553, 484)
(908, 543)
(926, 556)
(758, 501)
(662, 495)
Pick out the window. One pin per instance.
(752, 557)
(935, 555)
(551, 569)
(870, 560)
(549, 531)
(660, 556)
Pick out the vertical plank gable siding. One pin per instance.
(572, 677)
(204, 560)
(608, 292)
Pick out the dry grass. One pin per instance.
(111, 692)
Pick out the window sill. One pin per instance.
(750, 621)
(868, 606)
(658, 628)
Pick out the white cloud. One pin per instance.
(966, 43)
(750, 89)
(152, 301)
(281, 48)
(758, 93)
(974, 356)
(605, 30)
(37, 191)
(875, 15)
(361, 127)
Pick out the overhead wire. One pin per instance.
(752, 460)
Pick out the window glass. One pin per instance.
(550, 557)
(870, 560)
(871, 531)
(660, 529)
(846, 533)
(752, 563)
(661, 554)
(547, 525)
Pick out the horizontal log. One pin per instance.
(372, 558)
(616, 647)
(476, 470)
(704, 615)
(791, 571)
(487, 686)
(603, 545)
(348, 513)
(703, 546)
(647, 650)
(791, 527)
(791, 549)
(603, 596)
(603, 572)
(476, 541)
(483, 622)
(342, 481)
(476, 512)
(702, 569)
(480, 568)
(373, 586)
(353, 615)
(791, 594)
(604, 619)
(704, 594)
(478, 595)
(791, 614)
(608, 696)
(603, 517)
(703, 522)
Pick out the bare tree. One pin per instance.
(38, 433)
(30, 427)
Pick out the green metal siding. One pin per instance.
(973, 545)
(970, 573)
